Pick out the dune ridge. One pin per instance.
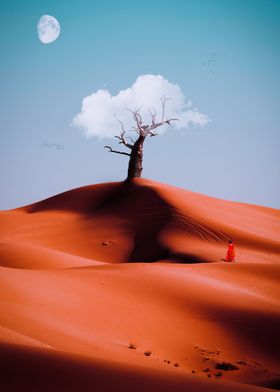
(196, 222)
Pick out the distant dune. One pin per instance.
(123, 286)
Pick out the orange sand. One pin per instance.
(86, 273)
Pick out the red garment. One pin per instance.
(230, 253)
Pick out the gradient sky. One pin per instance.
(110, 43)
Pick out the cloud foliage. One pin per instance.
(97, 116)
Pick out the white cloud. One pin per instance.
(97, 116)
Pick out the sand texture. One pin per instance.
(124, 287)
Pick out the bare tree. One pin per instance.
(135, 147)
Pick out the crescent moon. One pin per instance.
(48, 29)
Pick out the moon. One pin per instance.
(48, 29)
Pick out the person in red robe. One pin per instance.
(230, 252)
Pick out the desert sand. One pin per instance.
(124, 287)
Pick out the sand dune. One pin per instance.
(122, 286)
(145, 221)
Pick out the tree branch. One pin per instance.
(153, 115)
(130, 138)
(117, 152)
(164, 122)
(122, 137)
(163, 100)
(138, 119)
(123, 141)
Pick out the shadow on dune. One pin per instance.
(254, 328)
(144, 214)
(272, 384)
(185, 258)
(84, 200)
(139, 211)
(31, 369)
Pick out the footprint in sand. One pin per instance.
(132, 346)
(106, 243)
(226, 366)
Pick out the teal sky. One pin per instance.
(110, 43)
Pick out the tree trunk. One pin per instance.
(136, 158)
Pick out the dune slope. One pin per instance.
(123, 286)
(145, 221)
